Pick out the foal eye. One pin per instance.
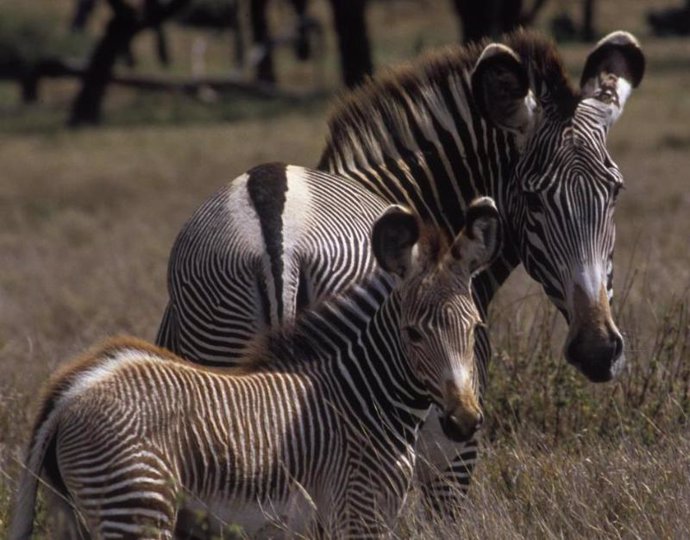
(413, 334)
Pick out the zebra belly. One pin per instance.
(269, 518)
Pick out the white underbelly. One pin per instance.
(272, 519)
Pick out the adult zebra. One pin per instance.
(502, 120)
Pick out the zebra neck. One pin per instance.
(356, 335)
(429, 148)
(377, 380)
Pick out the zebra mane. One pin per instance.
(383, 100)
(318, 327)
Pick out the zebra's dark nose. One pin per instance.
(598, 357)
(594, 344)
(461, 427)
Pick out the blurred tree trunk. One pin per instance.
(29, 80)
(261, 37)
(125, 23)
(119, 31)
(353, 40)
(302, 45)
(588, 31)
(490, 18)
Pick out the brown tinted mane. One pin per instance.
(263, 350)
(355, 108)
(542, 53)
(278, 348)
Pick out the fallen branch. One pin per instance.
(57, 68)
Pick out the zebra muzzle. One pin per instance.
(461, 421)
(594, 344)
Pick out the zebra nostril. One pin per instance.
(461, 427)
(617, 347)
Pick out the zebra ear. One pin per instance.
(612, 70)
(393, 236)
(478, 243)
(500, 87)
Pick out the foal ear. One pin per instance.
(393, 237)
(500, 87)
(478, 243)
(612, 70)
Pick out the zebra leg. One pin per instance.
(444, 468)
(120, 490)
(376, 492)
(364, 520)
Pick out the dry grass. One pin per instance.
(530, 489)
(87, 219)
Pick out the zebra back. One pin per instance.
(275, 240)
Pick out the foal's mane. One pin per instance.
(384, 93)
(279, 347)
(282, 348)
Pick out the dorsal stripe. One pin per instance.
(267, 186)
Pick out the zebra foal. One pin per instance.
(327, 411)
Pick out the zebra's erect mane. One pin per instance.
(318, 328)
(383, 97)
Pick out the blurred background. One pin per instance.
(84, 62)
(119, 117)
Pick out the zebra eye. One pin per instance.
(413, 334)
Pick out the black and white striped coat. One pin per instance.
(273, 241)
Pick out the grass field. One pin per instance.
(87, 219)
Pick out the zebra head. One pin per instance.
(560, 201)
(437, 314)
